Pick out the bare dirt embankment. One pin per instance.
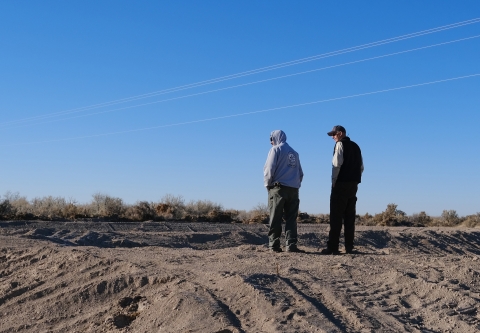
(205, 277)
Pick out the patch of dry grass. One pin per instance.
(13, 206)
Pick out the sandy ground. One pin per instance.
(204, 277)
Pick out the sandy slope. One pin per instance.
(198, 277)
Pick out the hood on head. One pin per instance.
(278, 137)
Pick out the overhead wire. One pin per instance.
(247, 113)
(251, 83)
(252, 72)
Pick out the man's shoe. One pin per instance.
(294, 248)
(349, 250)
(329, 251)
(276, 249)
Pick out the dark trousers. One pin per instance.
(283, 202)
(342, 209)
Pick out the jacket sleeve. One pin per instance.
(269, 168)
(301, 170)
(337, 161)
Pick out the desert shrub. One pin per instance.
(221, 215)
(6, 209)
(421, 219)
(260, 209)
(104, 205)
(11, 196)
(241, 216)
(22, 207)
(322, 218)
(258, 214)
(450, 218)
(164, 209)
(262, 218)
(317, 218)
(70, 211)
(472, 220)
(387, 217)
(84, 211)
(173, 201)
(390, 217)
(401, 213)
(49, 207)
(305, 218)
(237, 215)
(15, 206)
(171, 206)
(202, 207)
(141, 211)
(366, 219)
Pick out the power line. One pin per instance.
(251, 83)
(255, 71)
(247, 113)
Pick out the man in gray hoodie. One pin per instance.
(283, 176)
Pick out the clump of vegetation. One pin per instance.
(6, 209)
(450, 218)
(421, 219)
(471, 221)
(51, 208)
(172, 207)
(258, 214)
(366, 219)
(103, 207)
(107, 208)
(141, 211)
(313, 218)
(390, 217)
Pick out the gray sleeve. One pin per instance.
(269, 168)
(337, 161)
(301, 171)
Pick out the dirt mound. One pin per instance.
(41, 232)
(222, 278)
(48, 234)
(89, 238)
(92, 238)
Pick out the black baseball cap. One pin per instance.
(336, 129)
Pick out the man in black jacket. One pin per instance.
(347, 169)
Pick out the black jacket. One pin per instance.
(351, 169)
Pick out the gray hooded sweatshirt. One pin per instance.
(283, 164)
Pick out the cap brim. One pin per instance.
(331, 133)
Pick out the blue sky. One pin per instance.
(420, 144)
